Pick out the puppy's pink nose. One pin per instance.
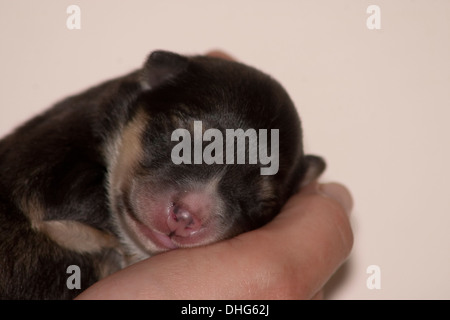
(182, 222)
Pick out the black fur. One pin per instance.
(59, 160)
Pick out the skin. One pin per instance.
(292, 257)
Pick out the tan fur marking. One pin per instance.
(76, 236)
(33, 209)
(129, 150)
(266, 189)
(69, 234)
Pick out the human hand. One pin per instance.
(292, 257)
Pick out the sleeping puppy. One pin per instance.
(184, 152)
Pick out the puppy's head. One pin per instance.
(212, 148)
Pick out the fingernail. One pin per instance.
(339, 193)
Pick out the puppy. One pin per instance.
(108, 177)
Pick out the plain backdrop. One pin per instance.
(374, 103)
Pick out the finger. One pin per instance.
(315, 228)
(339, 193)
(220, 54)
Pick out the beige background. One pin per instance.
(375, 103)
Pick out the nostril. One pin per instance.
(182, 216)
(181, 222)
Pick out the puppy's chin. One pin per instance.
(142, 241)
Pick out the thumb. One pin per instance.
(315, 228)
(339, 193)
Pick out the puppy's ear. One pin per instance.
(313, 168)
(161, 67)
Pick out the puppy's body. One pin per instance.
(91, 183)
